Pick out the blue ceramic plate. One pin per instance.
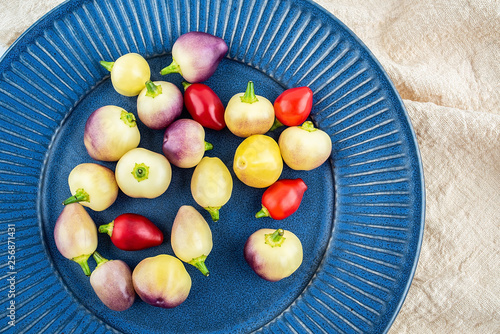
(360, 222)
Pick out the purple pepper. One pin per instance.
(196, 56)
(112, 282)
(184, 143)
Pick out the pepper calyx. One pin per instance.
(214, 212)
(99, 259)
(140, 172)
(80, 196)
(107, 228)
(186, 85)
(277, 124)
(107, 64)
(153, 90)
(199, 262)
(275, 239)
(249, 96)
(82, 261)
(208, 146)
(264, 212)
(172, 68)
(308, 126)
(128, 118)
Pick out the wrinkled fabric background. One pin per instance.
(444, 59)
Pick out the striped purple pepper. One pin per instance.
(196, 56)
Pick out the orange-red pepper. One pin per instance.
(293, 106)
(282, 198)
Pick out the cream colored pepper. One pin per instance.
(75, 234)
(249, 114)
(273, 254)
(304, 147)
(162, 281)
(93, 186)
(211, 185)
(142, 173)
(191, 238)
(129, 73)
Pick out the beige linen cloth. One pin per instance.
(444, 59)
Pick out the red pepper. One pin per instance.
(282, 198)
(131, 232)
(204, 105)
(293, 106)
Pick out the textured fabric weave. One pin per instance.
(444, 58)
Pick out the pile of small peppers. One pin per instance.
(111, 134)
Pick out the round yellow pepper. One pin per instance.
(258, 162)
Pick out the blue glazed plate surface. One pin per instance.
(360, 222)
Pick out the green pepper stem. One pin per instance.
(107, 228)
(276, 124)
(82, 261)
(214, 212)
(172, 68)
(80, 196)
(99, 259)
(199, 262)
(152, 89)
(128, 118)
(264, 212)
(275, 239)
(107, 64)
(140, 172)
(249, 96)
(208, 146)
(308, 126)
(185, 84)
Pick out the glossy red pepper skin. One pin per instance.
(204, 106)
(282, 198)
(132, 232)
(293, 106)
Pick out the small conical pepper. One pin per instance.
(282, 198)
(75, 235)
(204, 105)
(112, 283)
(191, 238)
(196, 56)
(131, 232)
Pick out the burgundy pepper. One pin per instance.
(131, 232)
